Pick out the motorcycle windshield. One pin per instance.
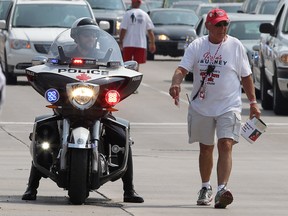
(86, 42)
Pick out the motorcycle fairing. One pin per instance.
(97, 178)
(75, 73)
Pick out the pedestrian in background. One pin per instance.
(133, 41)
(219, 63)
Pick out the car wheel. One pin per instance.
(266, 99)
(150, 56)
(11, 79)
(280, 104)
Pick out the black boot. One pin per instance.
(33, 184)
(129, 193)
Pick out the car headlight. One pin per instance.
(20, 44)
(82, 95)
(284, 58)
(162, 37)
(118, 23)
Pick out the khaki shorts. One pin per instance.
(202, 129)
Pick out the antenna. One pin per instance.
(63, 58)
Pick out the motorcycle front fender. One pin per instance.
(80, 138)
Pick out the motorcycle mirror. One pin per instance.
(39, 60)
(132, 65)
(3, 24)
(256, 47)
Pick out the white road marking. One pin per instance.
(162, 92)
(143, 123)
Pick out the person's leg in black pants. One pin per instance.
(33, 184)
(129, 193)
(115, 135)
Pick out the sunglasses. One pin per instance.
(88, 34)
(220, 24)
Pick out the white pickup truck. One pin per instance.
(271, 66)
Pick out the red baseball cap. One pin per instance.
(139, 1)
(216, 15)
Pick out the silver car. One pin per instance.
(30, 29)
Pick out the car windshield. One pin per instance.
(154, 4)
(204, 9)
(250, 6)
(105, 48)
(171, 17)
(186, 6)
(230, 8)
(48, 15)
(107, 4)
(245, 30)
(268, 8)
(285, 26)
(168, 3)
(4, 5)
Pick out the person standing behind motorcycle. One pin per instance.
(84, 33)
(133, 28)
(219, 63)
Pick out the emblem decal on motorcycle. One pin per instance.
(83, 77)
(52, 95)
(80, 71)
(80, 141)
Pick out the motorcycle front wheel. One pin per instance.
(78, 185)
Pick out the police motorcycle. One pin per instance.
(69, 147)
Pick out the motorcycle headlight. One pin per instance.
(82, 95)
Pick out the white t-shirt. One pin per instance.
(223, 87)
(136, 22)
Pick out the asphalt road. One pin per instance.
(165, 165)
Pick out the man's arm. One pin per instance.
(121, 37)
(151, 36)
(177, 79)
(248, 86)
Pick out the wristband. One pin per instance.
(253, 102)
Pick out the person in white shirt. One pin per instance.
(219, 64)
(134, 26)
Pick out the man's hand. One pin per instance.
(254, 111)
(152, 47)
(174, 91)
(175, 88)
